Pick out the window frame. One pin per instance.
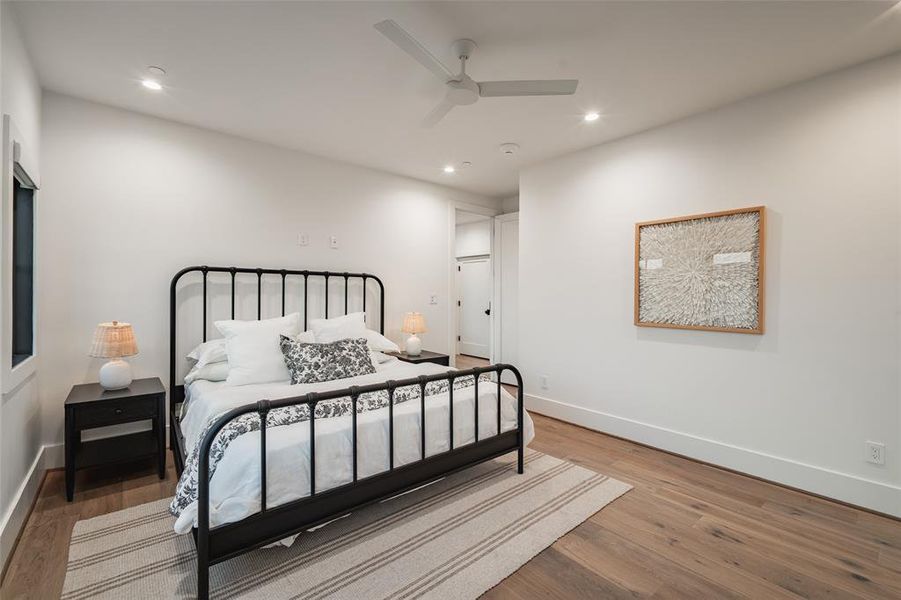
(18, 163)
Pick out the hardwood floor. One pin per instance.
(687, 530)
(467, 362)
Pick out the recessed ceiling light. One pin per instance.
(592, 116)
(449, 169)
(466, 164)
(153, 78)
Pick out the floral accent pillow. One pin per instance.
(312, 363)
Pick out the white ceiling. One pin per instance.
(318, 77)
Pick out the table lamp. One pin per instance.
(413, 323)
(114, 341)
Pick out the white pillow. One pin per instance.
(217, 371)
(254, 354)
(338, 328)
(306, 337)
(379, 358)
(353, 326)
(209, 352)
(379, 343)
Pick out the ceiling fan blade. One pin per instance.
(538, 87)
(408, 44)
(436, 114)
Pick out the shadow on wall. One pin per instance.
(769, 341)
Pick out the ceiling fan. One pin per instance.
(461, 88)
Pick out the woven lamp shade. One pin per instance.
(414, 322)
(114, 340)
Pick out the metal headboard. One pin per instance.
(176, 392)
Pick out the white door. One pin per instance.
(474, 285)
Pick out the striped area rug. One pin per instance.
(454, 539)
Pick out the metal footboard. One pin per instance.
(271, 524)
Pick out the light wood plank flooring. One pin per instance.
(468, 362)
(687, 530)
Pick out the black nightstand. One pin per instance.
(89, 406)
(424, 357)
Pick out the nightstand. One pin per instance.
(89, 406)
(424, 357)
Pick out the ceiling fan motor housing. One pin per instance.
(465, 91)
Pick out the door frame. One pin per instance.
(496, 270)
(453, 313)
(456, 306)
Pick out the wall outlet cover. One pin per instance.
(333, 242)
(875, 453)
(543, 380)
(303, 239)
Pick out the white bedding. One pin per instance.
(235, 486)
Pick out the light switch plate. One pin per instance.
(333, 242)
(303, 239)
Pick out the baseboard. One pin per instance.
(54, 456)
(50, 456)
(14, 520)
(859, 491)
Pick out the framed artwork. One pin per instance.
(702, 271)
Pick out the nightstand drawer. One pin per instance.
(110, 413)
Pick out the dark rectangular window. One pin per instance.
(23, 272)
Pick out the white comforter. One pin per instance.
(235, 486)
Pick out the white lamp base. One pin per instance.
(413, 346)
(115, 375)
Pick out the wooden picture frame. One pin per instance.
(707, 219)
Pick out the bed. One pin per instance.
(261, 463)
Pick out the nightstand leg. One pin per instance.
(71, 442)
(161, 437)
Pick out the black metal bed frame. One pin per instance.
(271, 524)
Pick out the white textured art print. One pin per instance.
(700, 272)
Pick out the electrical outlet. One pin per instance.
(303, 239)
(333, 242)
(875, 453)
(544, 381)
(433, 298)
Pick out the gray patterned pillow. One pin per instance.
(311, 363)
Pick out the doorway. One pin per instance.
(474, 285)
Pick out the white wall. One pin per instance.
(128, 200)
(473, 239)
(511, 204)
(794, 405)
(21, 90)
(20, 426)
